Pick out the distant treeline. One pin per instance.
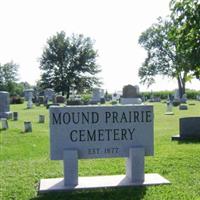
(191, 94)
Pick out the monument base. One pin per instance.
(7, 115)
(181, 138)
(169, 113)
(130, 101)
(94, 182)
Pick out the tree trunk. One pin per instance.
(180, 86)
(68, 92)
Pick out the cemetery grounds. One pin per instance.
(24, 160)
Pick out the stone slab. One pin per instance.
(7, 115)
(176, 138)
(169, 113)
(101, 131)
(130, 101)
(94, 182)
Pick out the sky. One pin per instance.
(114, 25)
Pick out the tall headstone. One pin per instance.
(5, 105)
(28, 94)
(4, 123)
(96, 96)
(184, 98)
(49, 94)
(169, 108)
(130, 95)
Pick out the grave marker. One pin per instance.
(130, 95)
(188, 129)
(5, 105)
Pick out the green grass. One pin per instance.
(24, 160)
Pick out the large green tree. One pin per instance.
(185, 32)
(8, 77)
(170, 50)
(69, 62)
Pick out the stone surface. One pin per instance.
(135, 165)
(4, 122)
(96, 95)
(183, 99)
(130, 95)
(27, 126)
(28, 94)
(183, 107)
(5, 105)
(41, 119)
(169, 109)
(15, 116)
(130, 101)
(49, 94)
(57, 184)
(130, 91)
(70, 167)
(189, 128)
(100, 131)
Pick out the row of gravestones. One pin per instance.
(130, 96)
(105, 132)
(27, 124)
(102, 132)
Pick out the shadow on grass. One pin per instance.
(97, 194)
(189, 141)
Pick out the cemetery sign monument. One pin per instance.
(84, 132)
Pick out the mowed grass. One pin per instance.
(24, 160)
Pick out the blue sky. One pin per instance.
(115, 25)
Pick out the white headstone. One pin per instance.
(96, 95)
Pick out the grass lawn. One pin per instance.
(24, 160)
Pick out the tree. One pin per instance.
(8, 76)
(185, 15)
(167, 52)
(69, 62)
(162, 57)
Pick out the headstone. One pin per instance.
(83, 132)
(188, 129)
(198, 97)
(176, 94)
(130, 95)
(183, 107)
(4, 123)
(60, 99)
(28, 94)
(49, 94)
(176, 100)
(169, 109)
(41, 118)
(15, 116)
(5, 105)
(116, 96)
(183, 99)
(96, 96)
(27, 126)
